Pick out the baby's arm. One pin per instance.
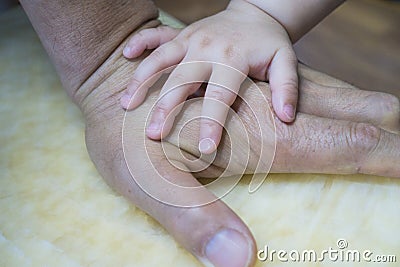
(297, 16)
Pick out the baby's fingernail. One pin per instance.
(289, 111)
(127, 50)
(125, 100)
(207, 146)
(228, 248)
(153, 128)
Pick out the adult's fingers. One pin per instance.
(165, 56)
(282, 75)
(220, 94)
(149, 39)
(162, 188)
(341, 103)
(321, 78)
(213, 233)
(321, 145)
(182, 82)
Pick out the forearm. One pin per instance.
(80, 35)
(297, 16)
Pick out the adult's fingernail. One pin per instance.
(207, 146)
(289, 111)
(228, 248)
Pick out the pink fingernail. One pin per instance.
(207, 146)
(228, 248)
(125, 100)
(289, 111)
(154, 127)
(127, 50)
(153, 131)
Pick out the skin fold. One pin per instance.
(339, 129)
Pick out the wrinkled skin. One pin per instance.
(339, 129)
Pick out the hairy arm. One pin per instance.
(80, 35)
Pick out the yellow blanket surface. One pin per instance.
(55, 209)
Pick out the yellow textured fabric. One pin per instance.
(55, 210)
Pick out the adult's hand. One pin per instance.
(342, 132)
(340, 129)
(94, 73)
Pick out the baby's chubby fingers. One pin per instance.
(221, 92)
(182, 82)
(149, 39)
(283, 80)
(165, 56)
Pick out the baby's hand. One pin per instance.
(242, 37)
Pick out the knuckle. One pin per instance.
(166, 30)
(288, 86)
(210, 124)
(367, 135)
(162, 29)
(288, 144)
(292, 58)
(134, 83)
(216, 95)
(229, 51)
(283, 134)
(259, 70)
(390, 105)
(387, 109)
(143, 34)
(149, 31)
(224, 96)
(158, 54)
(194, 216)
(140, 34)
(362, 139)
(394, 104)
(205, 41)
(178, 78)
(189, 32)
(162, 107)
(290, 55)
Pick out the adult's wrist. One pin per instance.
(80, 36)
